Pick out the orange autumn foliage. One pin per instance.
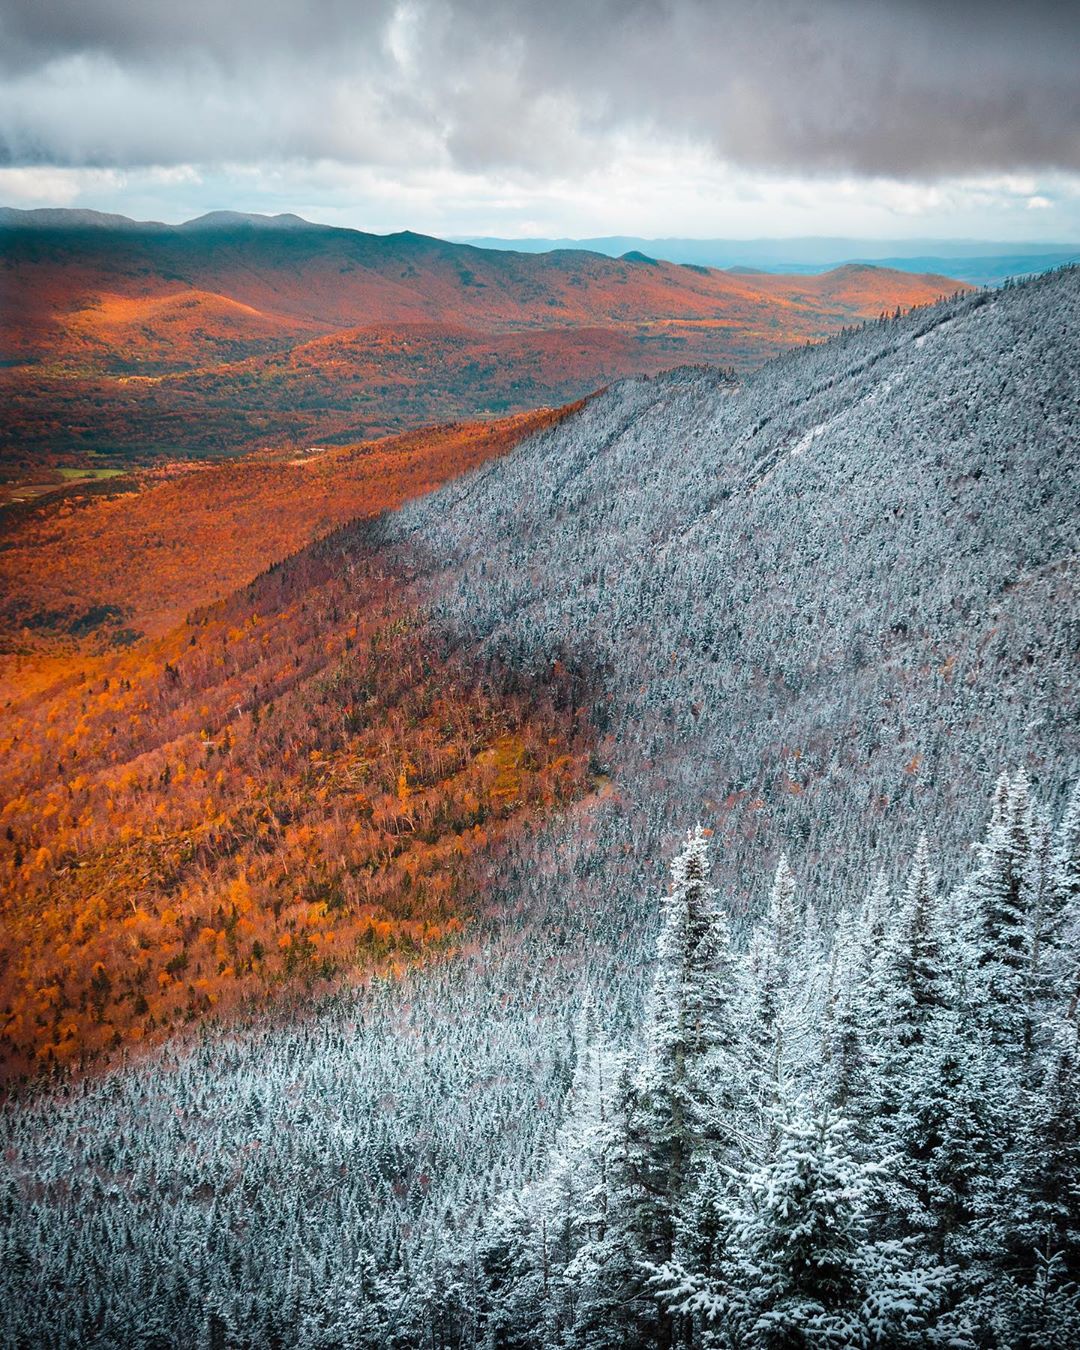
(285, 789)
(92, 568)
(283, 792)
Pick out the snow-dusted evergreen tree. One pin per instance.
(852, 1014)
(513, 1254)
(805, 1267)
(999, 903)
(909, 997)
(914, 983)
(774, 1031)
(943, 1176)
(1041, 1315)
(689, 1028)
(612, 1307)
(1061, 919)
(1047, 928)
(688, 1115)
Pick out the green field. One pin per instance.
(69, 474)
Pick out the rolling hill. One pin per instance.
(234, 333)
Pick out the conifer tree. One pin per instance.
(688, 1115)
(805, 1268)
(998, 903)
(772, 1028)
(580, 1203)
(908, 976)
(690, 1033)
(947, 1137)
(853, 1014)
(1061, 927)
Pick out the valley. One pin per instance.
(126, 345)
(336, 889)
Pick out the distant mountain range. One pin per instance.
(977, 261)
(232, 332)
(66, 218)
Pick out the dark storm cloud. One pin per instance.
(909, 88)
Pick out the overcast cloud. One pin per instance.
(539, 93)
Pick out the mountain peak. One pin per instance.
(227, 220)
(66, 218)
(70, 218)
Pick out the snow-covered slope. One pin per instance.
(840, 591)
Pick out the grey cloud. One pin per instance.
(232, 32)
(909, 88)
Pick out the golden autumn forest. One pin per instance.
(282, 789)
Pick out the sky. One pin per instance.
(701, 118)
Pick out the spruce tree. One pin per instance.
(805, 1267)
(686, 1075)
(999, 903)
(776, 1037)
(1061, 929)
(689, 1114)
(853, 1014)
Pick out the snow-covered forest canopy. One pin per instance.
(811, 601)
(823, 1093)
(866, 1139)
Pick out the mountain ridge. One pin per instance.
(737, 494)
(978, 262)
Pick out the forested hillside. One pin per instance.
(866, 1139)
(208, 804)
(822, 598)
(818, 612)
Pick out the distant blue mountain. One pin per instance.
(979, 262)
